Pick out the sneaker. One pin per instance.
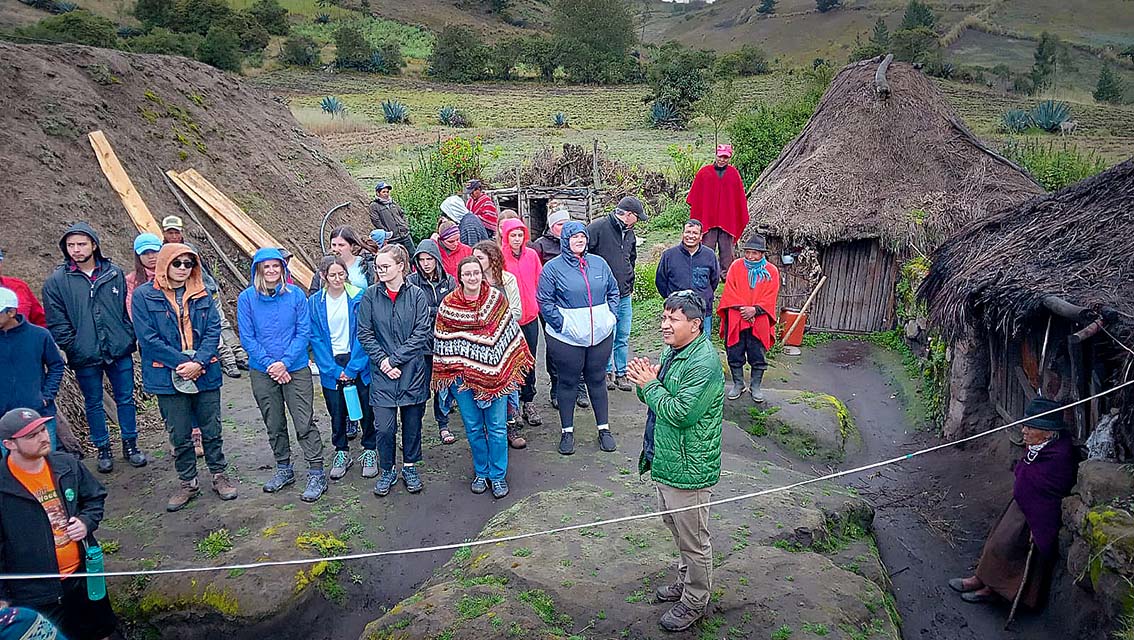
(351, 429)
(515, 440)
(610, 384)
(623, 383)
(387, 480)
(531, 415)
(670, 592)
(198, 445)
(567, 443)
(479, 485)
(412, 480)
(680, 617)
(230, 369)
(224, 487)
(131, 453)
(186, 492)
(105, 459)
(369, 462)
(316, 486)
(582, 400)
(499, 488)
(284, 476)
(342, 462)
(606, 440)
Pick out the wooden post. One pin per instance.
(596, 174)
(1075, 359)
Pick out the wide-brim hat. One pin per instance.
(756, 243)
(181, 385)
(1049, 422)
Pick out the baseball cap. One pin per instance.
(633, 205)
(473, 185)
(724, 150)
(146, 242)
(172, 222)
(8, 299)
(382, 184)
(18, 423)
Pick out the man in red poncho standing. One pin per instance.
(748, 313)
(717, 200)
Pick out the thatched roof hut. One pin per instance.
(883, 171)
(1055, 270)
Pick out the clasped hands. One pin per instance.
(641, 371)
(749, 313)
(278, 371)
(390, 370)
(190, 370)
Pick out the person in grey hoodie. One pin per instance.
(432, 279)
(85, 302)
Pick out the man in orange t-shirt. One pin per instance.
(49, 503)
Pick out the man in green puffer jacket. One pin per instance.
(682, 446)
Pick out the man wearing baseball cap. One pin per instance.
(388, 215)
(482, 205)
(717, 199)
(172, 229)
(32, 368)
(50, 506)
(29, 305)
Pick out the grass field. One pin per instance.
(1097, 23)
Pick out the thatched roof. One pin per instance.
(864, 162)
(1075, 243)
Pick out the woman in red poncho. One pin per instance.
(748, 312)
(717, 200)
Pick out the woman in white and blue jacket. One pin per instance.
(578, 298)
(342, 363)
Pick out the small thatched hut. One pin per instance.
(883, 172)
(1057, 270)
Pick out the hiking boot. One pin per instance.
(230, 369)
(555, 402)
(754, 389)
(582, 400)
(342, 462)
(623, 383)
(242, 363)
(567, 443)
(530, 413)
(670, 592)
(680, 617)
(606, 440)
(479, 485)
(351, 430)
(369, 462)
(186, 492)
(412, 480)
(316, 486)
(610, 384)
(105, 459)
(284, 476)
(737, 388)
(515, 440)
(224, 487)
(198, 445)
(499, 488)
(131, 453)
(387, 480)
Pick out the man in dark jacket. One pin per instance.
(32, 367)
(50, 507)
(613, 238)
(388, 215)
(85, 300)
(690, 266)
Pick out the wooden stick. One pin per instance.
(120, 181)
(240, 277)
(1023, 583)
(805, 307)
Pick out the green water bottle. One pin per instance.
(96, 587)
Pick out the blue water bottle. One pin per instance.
(354, 409)
(96, 587)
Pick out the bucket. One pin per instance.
(787, 318)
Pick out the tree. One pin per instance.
(505, 55)
(252, 35)
(155, 13)
(1051, 55)
(459, 55)
(199, 15)
(220, 48)
(272, 16)
(866, 50)
(719, 106)
(767, 7)
(748, 60)
(678, 78)
(352, 49)
(542, 53)
(826, 5)
(79, 26)
(1109, 87)
(162, 40)
(595, 37)
(918, 14)
(919, 44)
(299, 51)
(881, 35)
(760, 135)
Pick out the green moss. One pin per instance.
(219, 600)
(544, 607)
(470, 606)
(759, 425)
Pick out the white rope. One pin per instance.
(547, 532)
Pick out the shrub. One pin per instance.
(543, 54)
(749, 60)
(162, 40)
(1015, 121)
(199, 15)
(918, 14)
(299, 51)
(460, 157)
(459, 55)
(333, 106)
(683, 166)
(1049, 114)
(395, 112)
(421, 190)
(672, 215)
(79, 27)
(645, 286)
(678, 78)
(826, 5)
(1053, 167)
(271, 16)
(252, 35)
(388, 59)
(759, 135)
(919, 44)
(352, 49)
(63, 7)
(220, 48)
(1109, 87)
(159, 13)
(504, 56)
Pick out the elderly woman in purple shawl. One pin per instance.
(1044, 476)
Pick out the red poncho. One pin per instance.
(485, 208)
(719, 201)
(738, 294)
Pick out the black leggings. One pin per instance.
(590, 362)
(531, 336)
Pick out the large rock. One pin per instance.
(812, 425)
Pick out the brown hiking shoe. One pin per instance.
(198, 446)
(515, 440)
(680, 617)
(670, 592)
(224, 487)
(186, 492)
(530, 413)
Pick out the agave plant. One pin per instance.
(333, 106)
(395, 112)
(63, 7)
(663, 116)
(323, 18)
(1049, 114)
(559, 120)
(1015, 121)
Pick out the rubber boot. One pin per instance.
(737, 388)
(757, 380)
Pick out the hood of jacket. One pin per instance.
(507, 227)
(570, 229)
(429, 247)
(454, 208)
(263, 255)
(85, 229)
(194, 286)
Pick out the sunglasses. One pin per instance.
(692, 296)
(183, 264)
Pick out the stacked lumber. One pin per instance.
(245, 232)
(120, 181)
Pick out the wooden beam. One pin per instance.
(122, 185)
(232, 232)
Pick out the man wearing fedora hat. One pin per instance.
(1029, 526)
(717, 199)
(747, 313)
(388, 215)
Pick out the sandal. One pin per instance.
(447, 437)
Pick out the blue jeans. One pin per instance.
(121, 376)
(621, 353)
(487, 431)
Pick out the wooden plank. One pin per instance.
(846, 319)
(234, 234)
(236, 216)
(860, 309)
(120, 181)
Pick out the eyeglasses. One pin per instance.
(183, 264)
(382, 268)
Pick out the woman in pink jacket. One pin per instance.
(523, 262)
